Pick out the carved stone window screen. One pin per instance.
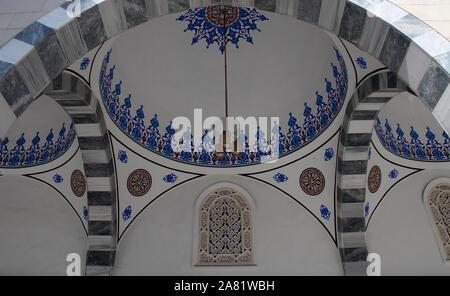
(225, 229)
(437, 202)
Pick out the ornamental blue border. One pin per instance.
(297, 135)
(412, 147)
(35, 154)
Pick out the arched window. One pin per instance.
(437, 201)
(225, 230)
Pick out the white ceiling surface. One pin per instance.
(272, 77)
(40, 228)
(407, 110)
(401, 233)
(42, 115)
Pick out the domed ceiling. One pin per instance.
(258, 64)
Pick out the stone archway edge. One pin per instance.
(411, 49)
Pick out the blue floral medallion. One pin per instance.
(393, 174)
(329, 154)
(297, 134)
(127, 213)
(84, 63)
(122, 156)
(57, 178)
(170, 178)
(85, 213)
(412, 147)
(280, 178)
(36, 153)
(222, 24)
(325, 213)
(361, 63)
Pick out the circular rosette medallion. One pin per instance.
(139, 182)
(222, 15)
(78, 183)
(312, 181)
(374, 179)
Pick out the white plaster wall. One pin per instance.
(401, 233)
(287, 239)
(38, 229)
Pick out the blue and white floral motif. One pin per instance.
(170, 178)
(413, 147)
(122, 156)
(329, 154)
(280, 178)
(361, 63)
(325, 213)
(85, 213)
(36, 154)
(127, 213)
(84, 63)
(297, 134)
(366, 209)
(205, 24)
(57, 178)
(393, 174)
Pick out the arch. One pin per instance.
(356, 133)
(46, 47)
(210, 248)
(436, 200)
(77, 99)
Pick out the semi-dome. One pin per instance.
(271, 66)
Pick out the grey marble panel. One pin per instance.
(100, 198)
(4, 68)
(113, 17)
(33, 72)
(100, 258)
(93, 143)
(135, 12)
(34, 33)
(156, 8)
(52, 55)
(353, 254)
(92, 28)
(178, 5)
(373, 35)
(98, 169)
(99, 228)
(353, 21)
(267, 5)
(287, 7)
(351, 195)
(13, 88)
(71, 41)
(394, 49)
(351, 224)
(352, 167)
(309, 10)
(356, 139)
(364, 114)
(433, 85)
